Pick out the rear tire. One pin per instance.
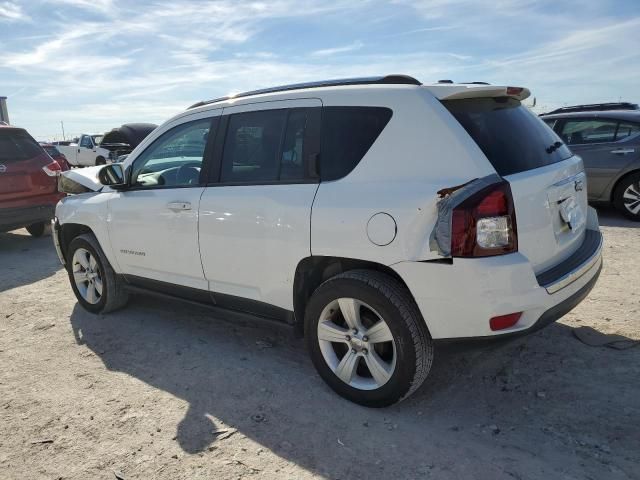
(96, 286)
(37, 229)
(626, 196)
(382, 370)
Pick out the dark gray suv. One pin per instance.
(609, 144)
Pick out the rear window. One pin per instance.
(347, 135)
(17, 145)
(52, 150)
(513, 139)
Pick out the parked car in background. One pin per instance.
(122, 140)
(87, 151)
(28, 182)
(443, 211)
(91, 150)
(609, 143)
(56, 154)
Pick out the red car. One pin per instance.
(56, 154)
(28, 182)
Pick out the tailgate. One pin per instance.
(551, 211)
(548, 182)
(21, 162)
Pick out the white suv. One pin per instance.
(374, 215)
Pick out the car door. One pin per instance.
(153, 225)
(86, 155)
(255, 214)
(602, 149)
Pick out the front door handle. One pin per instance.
(623, 151)
(176, 206)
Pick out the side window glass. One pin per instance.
(292, 161)
(551, 123)
(175, 158)
(86, 142)
(252, 146)
(347, 135)
(627, 130)
(577, 132)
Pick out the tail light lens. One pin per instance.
(52, 169)
(485, 224)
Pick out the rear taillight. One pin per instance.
(52, 169)
(485, 223)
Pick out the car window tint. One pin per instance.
(17, 145)
(175, 158)
(252, 146)
(347, 135)
(512, 138)
(576, 132)
(627, 130)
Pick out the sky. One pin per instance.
(96, 64)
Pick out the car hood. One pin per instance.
(80, 180)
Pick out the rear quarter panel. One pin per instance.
(422, 150)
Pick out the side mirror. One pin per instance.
(113, 175)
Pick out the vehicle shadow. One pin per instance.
(610, 217)
(479, 399)
(14, 271)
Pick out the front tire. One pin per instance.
(626, 196)
(367, 338)
(101, 161)
(95, 284)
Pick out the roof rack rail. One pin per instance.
(595, 107)
(380, 80)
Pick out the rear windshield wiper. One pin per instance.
(552, 148)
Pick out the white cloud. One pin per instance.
(11, 12)
(327, 52)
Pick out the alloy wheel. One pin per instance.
(87, 276)
(631, 198)
(356, 343)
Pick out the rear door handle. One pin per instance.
(623, 151)
(176, 206)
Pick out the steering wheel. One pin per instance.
(187, 175)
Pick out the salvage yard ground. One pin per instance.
(172, 391)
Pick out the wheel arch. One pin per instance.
(312, 271)
(69, 231)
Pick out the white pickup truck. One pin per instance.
(86, 152)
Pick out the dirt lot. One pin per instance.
(164, 390)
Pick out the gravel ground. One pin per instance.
(172, 391)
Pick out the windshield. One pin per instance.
(513, 139)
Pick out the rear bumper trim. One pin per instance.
(574, 267)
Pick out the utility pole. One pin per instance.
(62, 124)
(4, 114)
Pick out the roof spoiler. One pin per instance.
(475, 90)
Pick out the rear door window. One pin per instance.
(265, 146)
(627, 130)
(347, 135)
(512, 138)
(585, 131)
(17, 145)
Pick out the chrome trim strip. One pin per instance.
(574, 275)
(55, 229)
